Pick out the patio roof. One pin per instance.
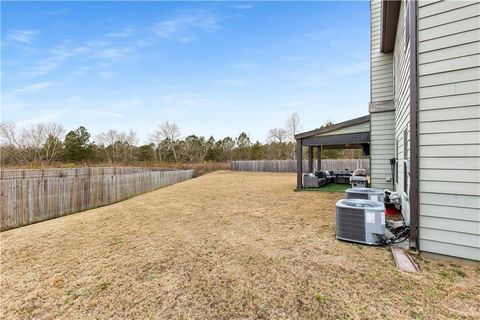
(350, 134)
(344, 135)
(335, 128)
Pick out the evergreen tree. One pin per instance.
(77, 146)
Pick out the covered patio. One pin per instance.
(351, 134)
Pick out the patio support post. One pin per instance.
(299, 164)
(310, 159)
(319, 158)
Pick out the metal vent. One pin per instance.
(350, 224)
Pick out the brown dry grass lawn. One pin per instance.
(224, 245)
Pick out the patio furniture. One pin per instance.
(310, 180)
(359, 179)
(342, 179)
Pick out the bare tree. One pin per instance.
(118, 146)
(158, 140)
(170, 132)
(128, 141)
(196, 148)
(52, 144)
(277, 138)
(13, 143)
(35, 137)
(39, 142)
(108, 140)
(293, 126)
(277, 135)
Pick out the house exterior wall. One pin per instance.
(382, 114)
(449, 127)
(381, 74)
(401, 78)
(449, 121)
(381, 148)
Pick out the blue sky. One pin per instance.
(214, 68)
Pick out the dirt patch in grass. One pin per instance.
(224, 245)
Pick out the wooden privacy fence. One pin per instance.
(29, 200)
(291, 165)
(75, 172)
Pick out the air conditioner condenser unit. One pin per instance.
(360, 220)
(373, 194)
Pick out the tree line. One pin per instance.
(48, 143)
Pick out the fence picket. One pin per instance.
(291, 165)
(43, 195)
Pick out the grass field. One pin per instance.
(221, 246)
(331, 187)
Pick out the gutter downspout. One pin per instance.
(414, 165)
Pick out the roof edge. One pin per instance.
(333, 127)
(388, 31)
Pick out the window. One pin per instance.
(405, 144)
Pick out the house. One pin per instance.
(425, 114)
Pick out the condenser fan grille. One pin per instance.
(359, 195)
(350, 224)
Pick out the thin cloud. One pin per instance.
(31, 88)
(106, 74)
(22, 36)
(233, 82)
(93, 50)
(244, 6)
(103, 113)
(124, 33)
(49, 116)
(36, 87)
(114, 52)
(13, 101)
(58, 12)
(73, 99)
(81, 71)
(184, 27)
(58, 55)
